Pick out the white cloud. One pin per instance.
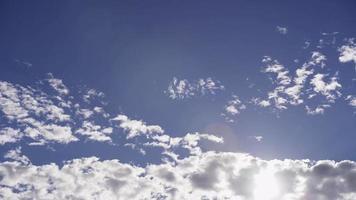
(9, 135)
(259, 102)
(298, 89)
(85, 113)
(328, 89)
(317, 58)
(318, 110)
(282, 30)
(258, 138)
(95, 132)
(92, 94)
(209, 175)
(135, 128)
(16, 155)
(233, 108)
(44, 133)
(57, 84)
(154, 136)
(181, 89)
(352, 100)
(46, 118)
(273, 66)
(348, 51)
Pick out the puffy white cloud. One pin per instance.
(135, 128)
(44, 133)
(233, 108)
(92, 94)
(259, 102)
(95, 132)
(85, 113)
(273, 66)
(10, 103)
(328, 89)
(22, 105)
(317, 58)
(57, 84)
(47, 118)
(16, 155)
(9, 135)
(154, 136)
(348, 51)
(18, 102)
(300, 88)
(210, 175)
(181, 89)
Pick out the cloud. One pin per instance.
(328, 89)
(181, 89)
(194, 174)
(9, 135)
(299, 88)
(95, 132)
(348, 51)
(135, 128)
(155, 136)
(233, 108)
(57, 84)
(282, 30)
(44, 117)
(352, 100)
(210, 175)
(320, 109)
(258, 138)
(16, 155)
(91, 94)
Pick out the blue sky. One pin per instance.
(162, 83)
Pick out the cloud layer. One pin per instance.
(210, 175)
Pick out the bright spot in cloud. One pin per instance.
(266, 186)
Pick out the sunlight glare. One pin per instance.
(266, 186)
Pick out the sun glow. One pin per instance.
(266, 185)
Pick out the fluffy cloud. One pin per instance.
(45, 118)
(155, 136)
(304, 85)
(348, 51)
(328, 89)
(233, 108)
(135, 128)
(210, 175)
(95, 132)
(92, 94)
(181, 89)
(57, 84)
(9, 135)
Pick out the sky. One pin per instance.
(157, 99)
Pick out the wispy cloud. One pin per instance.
(282, 30)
